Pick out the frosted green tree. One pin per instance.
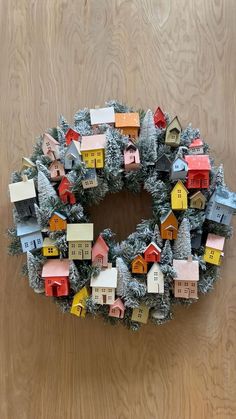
(124, 276)
(157, 236)
(166, 254)
(61, 136)
(219, 176)
(42, 168)
(182, 245)
(34, 266)
(113, 160)
(63, 124)
(74, 277)
(45, 190)
(147, 140)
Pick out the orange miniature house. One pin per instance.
(100, 252)
(57, 222)
(128, 123)
(169, 226)
(71, 135)
(152, 253)
(139, 265)
(64, 191)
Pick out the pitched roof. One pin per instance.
(186, 270)
(22, 190)
(79, 231)
(63, 217)
(100, 240)
(128, 119)
(130, 145)
(182, 161)
(58, 162)
(56, 267)
(26, 162)
(27, 227)
(74, 145)
(163, 157)
(138, 258)
(93, 142)
(80, 295)
(48, 242)
(165, 216)
(179, 184)
(214, 241)
(152, 244)
(198, 162)
(175, 122)
(196, 143)
(102, 115)
(225, 197)
(47, 136)
(198, 194)
(118, 304)
(106, 278)
(73, 130)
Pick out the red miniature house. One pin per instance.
(64, 191)
(152, 253)
(198, 171)
(100, 252)
(71, 135)
(159, 119)
(56, 273)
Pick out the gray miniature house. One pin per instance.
(23, 195)
(179, 169)
(173, 132)
(72, 155)
(163, 163)
(90, 179)
(221, 206)
(30, 235)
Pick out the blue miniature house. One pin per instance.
(179, 169)
(72, 155)
(221, 206)
(30, 235)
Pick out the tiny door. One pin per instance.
(54, 290)
(169, 234)
(58, 172)
(79, 309)
(104, 299)
(99, 260)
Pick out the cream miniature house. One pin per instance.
(104, 285)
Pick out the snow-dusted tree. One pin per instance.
(113, 160)
(147, 140)
(134, 291)
(61, 136)
(76, 213)
(74, 277)
(124, 276)
(34, 266)
(60, 242)
(42, 168)
(63, 124)
(45, 190)
(188, 135)
(219, 176)
(157, 236)
(166, 254)
(182, 245)
(42, 216)
(82, 115)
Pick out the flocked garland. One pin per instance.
(131, 287)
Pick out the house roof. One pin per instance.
(63, 217)
(179, 184)
(27, 227)
(93, 142)
(48, 242)
(20, 191)
(80, 231)
(102, 115)
(138, 258)
(26, 162)
(165, 216)
(182, 161)
(196, 143)
(159, 114)
(58, 162)
(175, 123)
(163, 157)
(214, 241)
(186, 270)
(155, 267)
(118, 304)
(129, 119)
(198, 194)
(74, 145)
(80, 295)
(56, 267)
(73, 130)
(152, 244)
(100, 240)
(52, 140)
(225, 197)
(198, 162)
(106, 278)
(130, 145)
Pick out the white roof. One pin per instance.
(153, 244)
(22, 190)
(102, 116)
(107, 278)
(93, 142)
(79, 231)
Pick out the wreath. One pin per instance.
(170, 259)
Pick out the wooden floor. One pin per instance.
(57, 56)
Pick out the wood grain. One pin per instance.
(58, 56)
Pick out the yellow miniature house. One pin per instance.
(214, 249)
(140, 314)
(92, 151)
(78, 307)
(49, 248)
(179, 197)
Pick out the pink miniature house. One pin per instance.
(152, 253)
(50, 147)
(131, 156)
(56, 170)
(117, 309)
(100, 252)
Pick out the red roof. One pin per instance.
(199, 162)
(196, 143)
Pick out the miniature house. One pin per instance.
(159, 119)
(92, 150)
(187, 278)
(163, 163)
(56, 275)
(80, 238)
(57, 222)
(26, 163)
(179, 196)
(128, 124)
(99, 116)
(179, 169)
(72, 155)
(23, 195)
(214, 249)
(173, 132)
(117, 309)
(197, 200)
(89, 179)
(49, 247)
(100, 252)
(198, 171)
(131, 157)
(103, 286)
(221, 206)
(196, 240)
(152, 253)
(65, 193)
(50, 147)
(30, 235)
(155, 280)
(139, 265)
(78, 307)
(140, 314)
(169, 226)
(71, 135)
(56, 170)
(196, 147)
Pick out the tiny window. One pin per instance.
(73, 245)
(210, 256)
(96, 289)
(186, 284)
(103, 289)
(92, 154)
(110, 290)
(98, 153)
(192, 291)
(73, 253)
(212, 252)
(96, 297)
(26, 244)
(86, 154)
(86, 244)
(179, 283)
(179, 291)
(193, 285)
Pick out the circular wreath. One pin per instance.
(170, 259)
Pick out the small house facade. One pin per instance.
(198, 171)
(78, 307)
(140, 314)
(23, 195)
(163, 163)
(56, 170)
(152, 253)
(50, 147)
(56, 275)
(99, 116)
(169, 226)
(72, 155)
(57, 222)
(71, 135)
(179, 197)
(49, 248)
(79, 237)
(196, 147)
(103, 286)
(100, 252)
(179, 169)
(185, 283)
(90, 179)
(214, 249)
(131, 157)
(64, 191)
(117, 309)
(159, 119)
(128, 124)
(197, 200)
(221, 206)
(30, 235)
(155, 280)
(139, 265)
(173, 132)
(92, 151)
